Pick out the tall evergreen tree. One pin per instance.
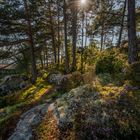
(132, 40)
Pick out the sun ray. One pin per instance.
(83, 1)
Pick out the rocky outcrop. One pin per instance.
(63, 110)
(54, 78)
(65, 82)
(73, 102)
(84, 111)
(27, 121)
(12, 82)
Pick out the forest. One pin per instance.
(69, 69)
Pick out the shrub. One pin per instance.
(119, 79)
(76, 78)
(66, 83)
(105, 78)
(88, 78)
(109, 64)
(71, 81)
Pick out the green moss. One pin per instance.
(109, 63)
(48, 129)
(54, 95)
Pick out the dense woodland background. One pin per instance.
(50, 47)
(40, 34)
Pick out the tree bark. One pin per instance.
(31, 43)
(52, 32)
(102, 36)
(65, 36)
(132, 40)
(41, 61)
(58, 18)
(82, 47)
(86, 30)
(74, 38)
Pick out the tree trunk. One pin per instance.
(74, 38)
(122, 25)
(65, 36)
(46, 58)
(58, 18)
(86, 31)
(132, 40)
(41, 61)
(52, 33)
(82, 49)
(102, 37)
(31, 42)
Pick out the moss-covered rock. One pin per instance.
(88, 114)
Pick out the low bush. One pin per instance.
(111, 67)
(105, 78)
(71, 81)
(109, 64)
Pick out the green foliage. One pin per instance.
(105, 78)
(54, 95)
(104, 65)
(71, 81)
(111, 67)
(118, 79)
(23, 60)
(27, 95)
(109, 63)
(90, 54)
(44, 74)
(76, 78)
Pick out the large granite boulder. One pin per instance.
(71, 103)
(70, 81)
(65, 82)
(54, 78)
(28, 121)
(12, 82)
(63, 110)
(83, 111)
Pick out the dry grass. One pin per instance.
(48, 129)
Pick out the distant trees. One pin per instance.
(106, 22)
(74, 35)
(65, 36)
(51, 32)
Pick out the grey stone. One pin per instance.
(10, 83)
(64, 110)
(29, 120)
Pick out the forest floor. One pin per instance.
(14, 105)
(88, 112)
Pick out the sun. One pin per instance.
(83, 1)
